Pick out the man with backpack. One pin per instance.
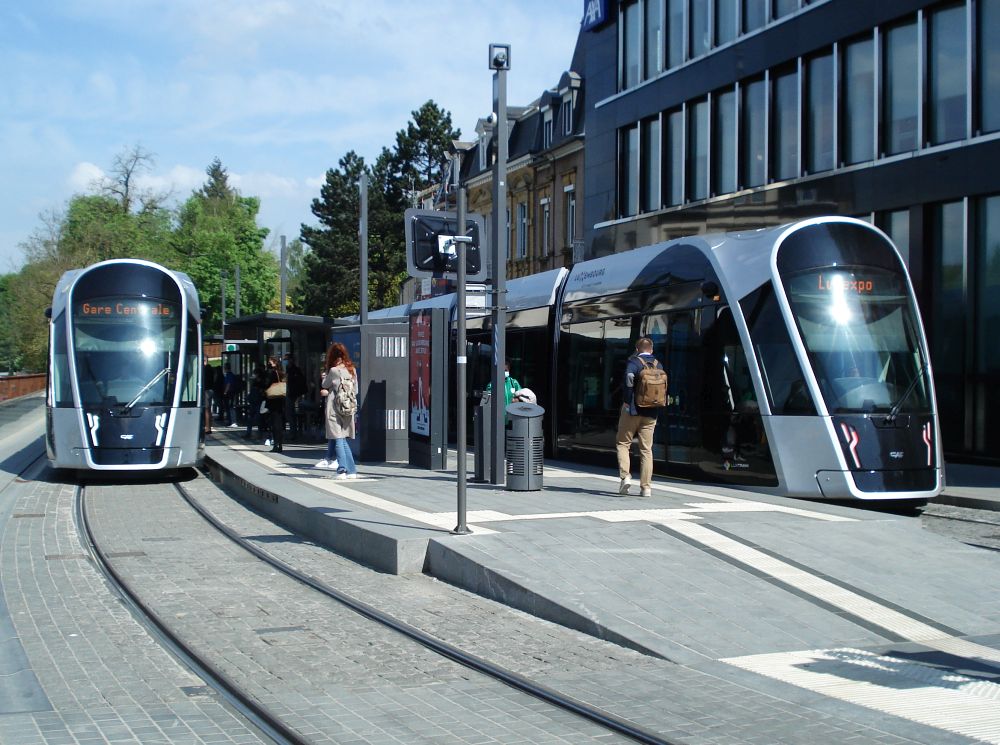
(644, 392)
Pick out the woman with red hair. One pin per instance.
(340, 386)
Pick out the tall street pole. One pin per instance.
(363, 238)
(460, 358)
(500, 63)
(284, 273)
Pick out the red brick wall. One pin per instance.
(12, 386)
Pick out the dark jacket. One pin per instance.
(628, 390)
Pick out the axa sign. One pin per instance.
(595, 12)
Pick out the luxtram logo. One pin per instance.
(584, 276)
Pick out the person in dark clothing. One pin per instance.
(207, 383)
(295, 379)
(634, 421)
(230, 390)
(276, 404)
(255, 396)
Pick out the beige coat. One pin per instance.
(337, 427)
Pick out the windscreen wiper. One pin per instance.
(894, 412)
(142, 391)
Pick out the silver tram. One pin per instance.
(124, 369)
(796, 357)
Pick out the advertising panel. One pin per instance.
(420, 373)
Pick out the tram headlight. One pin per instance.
(148, 347)
(838, 309)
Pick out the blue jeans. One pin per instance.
(345, 458)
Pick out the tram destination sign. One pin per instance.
(123, 308)
(431, 253)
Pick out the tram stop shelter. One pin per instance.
(249, 340)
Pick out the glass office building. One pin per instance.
(714, 115)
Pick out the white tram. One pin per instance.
(124, 369)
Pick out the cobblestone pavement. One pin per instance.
(326, 671)
(972, 526)
(104, 677)
(711, 704)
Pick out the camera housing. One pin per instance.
(499, 56)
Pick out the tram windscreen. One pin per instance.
(126, 350)
(861, 333)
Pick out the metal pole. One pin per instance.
(499, 312)
(236, 310)
(284, 273)
(222, 289)
(460, 370)
(363, 236)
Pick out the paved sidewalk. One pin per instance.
(787, 596)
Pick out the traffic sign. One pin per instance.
(431, 250)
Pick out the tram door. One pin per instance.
(677, 344)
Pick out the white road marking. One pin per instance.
(904, 688)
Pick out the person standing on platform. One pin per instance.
(255, 397)
(230, 390)
(207, 386)
(275, 392)
(644, 392)
(510, 386)
(340, 386)
(296, 382)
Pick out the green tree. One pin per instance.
(217, 231)
(332, 263)
(422, 149)
(10, 356)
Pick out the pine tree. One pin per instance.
(421, 154)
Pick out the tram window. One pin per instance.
(783, 379)
(61, 385)
(192, 367)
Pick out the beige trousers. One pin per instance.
(628, 427)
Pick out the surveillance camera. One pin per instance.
(500, 56)
(492, 119)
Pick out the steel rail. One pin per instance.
(533, 688)
(258, 715)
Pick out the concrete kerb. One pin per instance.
(365, 537)
(358, 535)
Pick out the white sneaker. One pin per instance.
(343, 476)
(624, 486)
(267, 442)
(333, 465)
(647, 492)
(352, 475)
(323, 464)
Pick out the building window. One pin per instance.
(675, 33)
(629, 45)
(649, 146)
(819, 113)
(946, 60)
(697, 150)
(896, 225)
(507, 247)
(754, 14)
(987, 434)
(547, 129)
(727, 19)
(653, 37)
(482, 153)
(858, 96)
(785, 125)
(948, 318)
(785, 7)
(673, 157)
(753, 133)
(900, 91)
(989, 64)
(570, 216)
(698, 17)
(724, 143)
(546, 241)
(628, 171)
(522, 230)
(566, 112)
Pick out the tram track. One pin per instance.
(272, 723)
(253, 711)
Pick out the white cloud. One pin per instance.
(84, 176)
(179, 180)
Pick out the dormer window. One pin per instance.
(567, 114)
(547, 128)
(483, 147)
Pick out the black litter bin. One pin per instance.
(525, 446)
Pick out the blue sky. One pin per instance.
(278, 89)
